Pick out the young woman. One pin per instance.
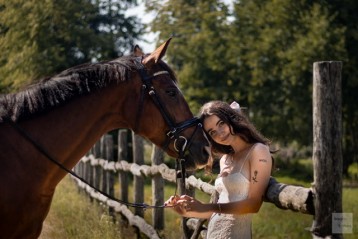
(245, 169)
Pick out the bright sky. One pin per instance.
(149, 46)
(151, 37)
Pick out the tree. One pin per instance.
(199, 47)
(262, 55)
(40, 38)
(346, 16)
(277, 43)
(283, 39)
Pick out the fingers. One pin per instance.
(185, 199)
(183, 202)
(176, 199)
(187, 206)
(186, 202)
(172, 201)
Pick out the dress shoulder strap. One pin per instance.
(247, 156)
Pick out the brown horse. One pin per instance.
(66, 114)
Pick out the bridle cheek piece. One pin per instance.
(175, 130)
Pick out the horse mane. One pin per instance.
(74, 82)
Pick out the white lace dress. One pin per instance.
(233, 187)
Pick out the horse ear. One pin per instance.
(156, 55)
(137, 51)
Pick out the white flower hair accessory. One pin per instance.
(236, 106)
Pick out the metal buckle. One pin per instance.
(184, 145)
(171, 133)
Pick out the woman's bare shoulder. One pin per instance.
(261, 150)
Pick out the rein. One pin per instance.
(173, 134)
(41, 149)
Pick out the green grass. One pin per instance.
(73, 216)
(350, 205)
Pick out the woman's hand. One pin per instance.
(189, 207)
(173, 203)
(191, 204)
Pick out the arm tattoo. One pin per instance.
(263, 160)
(254, 178)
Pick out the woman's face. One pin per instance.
(218, 130)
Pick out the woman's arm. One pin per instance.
(260, 171)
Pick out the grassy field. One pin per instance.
(73, 216)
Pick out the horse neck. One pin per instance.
(69, 131)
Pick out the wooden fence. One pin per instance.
(101, 168)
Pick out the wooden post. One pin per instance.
(138, 158)
(79, 172)
(109, 175)
(103, 156)
(91, 171)
(97, 170)
(158, 189)
(88, 172)
(110, 158)
(327, 148)
(123, 155)
(83, 173)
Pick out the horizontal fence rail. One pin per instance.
(148, 171)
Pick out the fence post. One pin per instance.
(157, 158)
(103, 156)
(109, 174)
(97, 168)
(138, 158)
(91, 172)
(327, 148)
(123, 155)
(88, 172)
(78, 170)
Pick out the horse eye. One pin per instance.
(171, 92)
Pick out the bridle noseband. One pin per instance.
(174, 133)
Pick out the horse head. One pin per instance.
(168, 121)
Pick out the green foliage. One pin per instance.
(261, 53)
(277, 44)
(300, 170)
(353, 171)
(197, 27)
(40, 38)
(346, 12)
